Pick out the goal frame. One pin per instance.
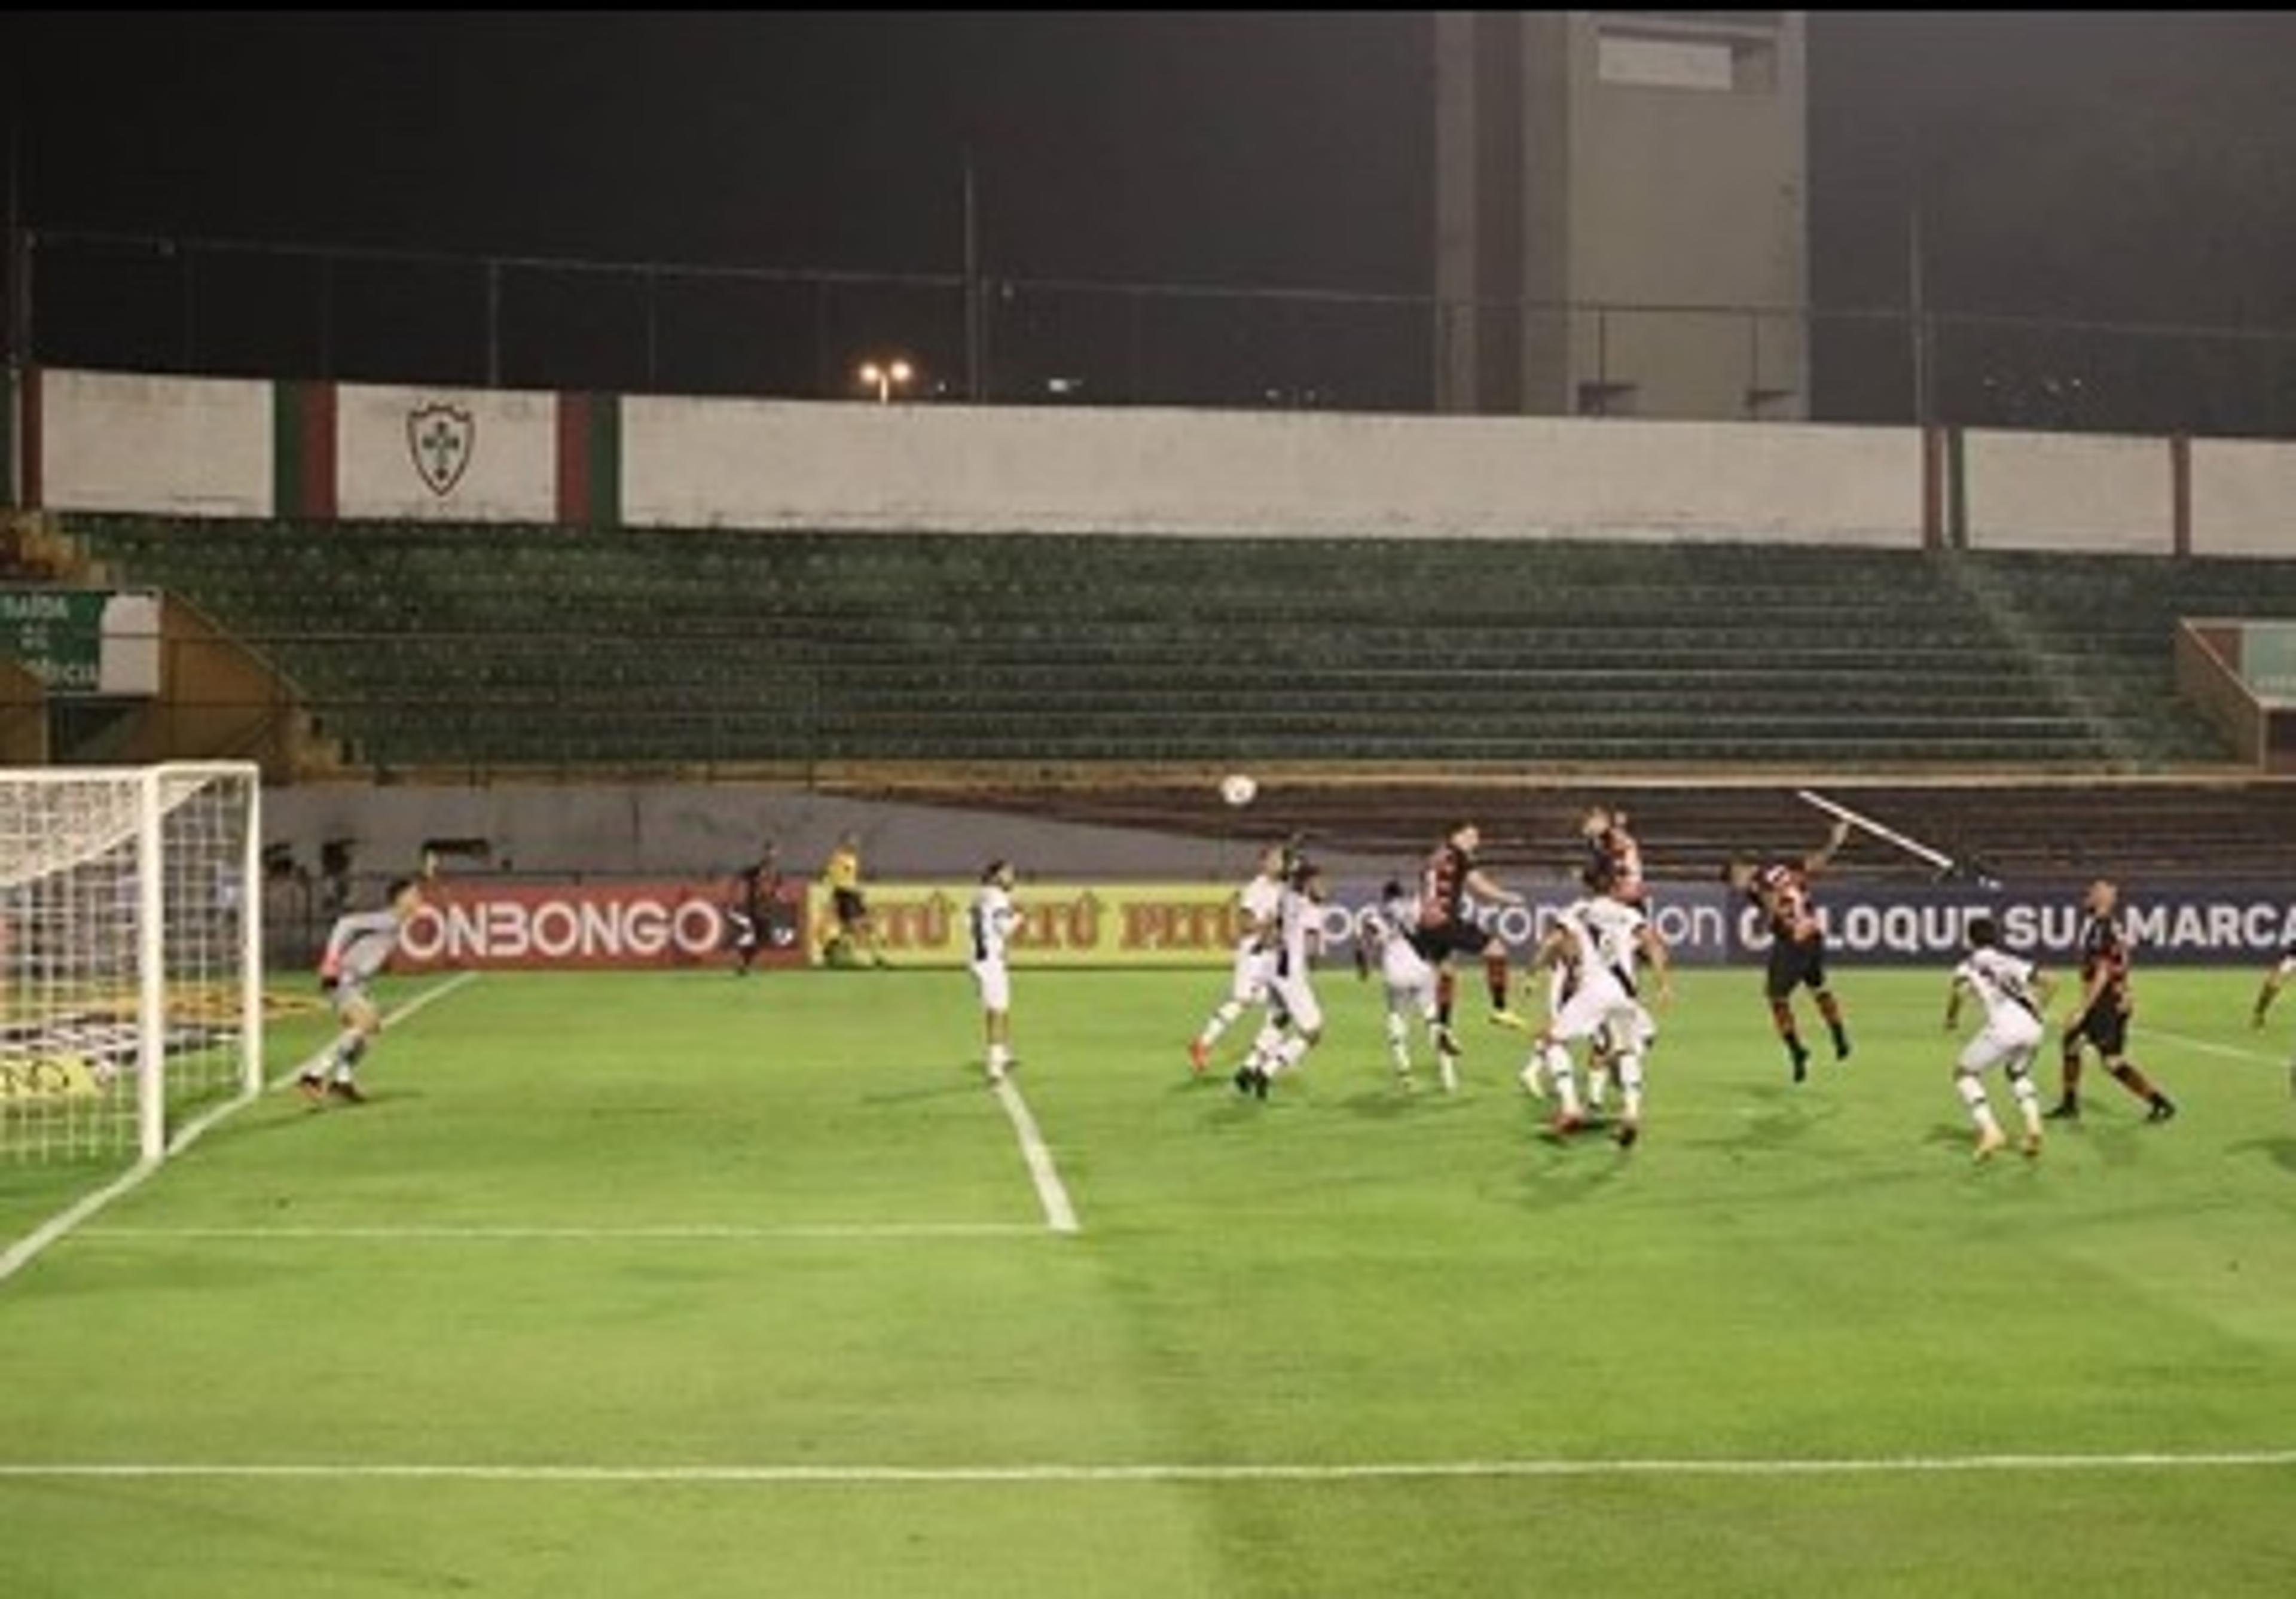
(151, 907)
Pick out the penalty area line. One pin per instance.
(1060, 1215)
(64, 1223)
(1043, 1473)
(2229, 1052)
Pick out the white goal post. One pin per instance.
(131, 954)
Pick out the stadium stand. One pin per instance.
(508, 647)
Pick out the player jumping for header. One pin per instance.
(1797, 942)
(358, 947)
(1295, 1021)
(2100, 1019)
(1255, 954)
(1614, 852)
(1449, 876)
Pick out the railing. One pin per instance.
(140, 303)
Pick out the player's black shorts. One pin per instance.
(847, 903)
(1795, 961)
(1452, 938)
(2105, 1028)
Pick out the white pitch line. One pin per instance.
(2228, 1051)
(1052, 1472)
(482, 1235)
(64, 1223)
(1059, 1214)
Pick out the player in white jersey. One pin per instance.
(1601, 938)
(1384, 934)
(1295, 1020)
(2273, 980)
(990, 922)
(358, 947)
(2012, 992)
(1255, 953)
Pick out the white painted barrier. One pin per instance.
(965, 469)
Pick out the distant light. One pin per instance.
(1062, 385)
(870, 372)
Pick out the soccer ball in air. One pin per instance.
(1237, 789)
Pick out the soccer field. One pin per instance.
(683, 1285)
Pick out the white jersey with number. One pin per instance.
(2004, 985)
(991, 923)
(1255, 951)
(1296, 917)
(1388, 928)
(1600, 994)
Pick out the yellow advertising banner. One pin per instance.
(1129, 924)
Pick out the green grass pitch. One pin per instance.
(689, 1223)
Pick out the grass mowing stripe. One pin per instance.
(64, 1223)
(672, 1234)
(1060, 1215)
(1056, 1472)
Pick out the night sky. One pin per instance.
(2091, 165)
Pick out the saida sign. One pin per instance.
(83, 641)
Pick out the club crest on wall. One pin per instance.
(441, 440)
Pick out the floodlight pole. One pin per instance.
(1917, 305)
(972, 307)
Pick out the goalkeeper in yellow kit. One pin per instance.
(854, 932)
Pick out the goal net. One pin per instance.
(131, 989)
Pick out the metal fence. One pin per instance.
(148, 304)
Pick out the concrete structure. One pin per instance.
(1645, 169)
(190, 447)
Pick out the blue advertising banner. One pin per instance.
(2221, 924)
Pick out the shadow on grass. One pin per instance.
(2280, 1150)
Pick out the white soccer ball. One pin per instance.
(1237, 789)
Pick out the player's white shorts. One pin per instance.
(1631, 1031)
(1410, 980)
(996, 985)
(1296, 999)
(1249, 985)
(349, 992)
(2000, 1042)
(1599, 1000)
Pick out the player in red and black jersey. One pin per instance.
(2101, 1019)
(1612, 852)
(1797, 942)
(1445, 928)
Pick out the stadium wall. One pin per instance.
(227, 448)
(679, 831)
(2064, 491)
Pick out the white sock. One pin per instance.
(1287, 1054)
(1566, 1082)
(1980, 1109)
(1219, 1022)
(1598, 1086)
(1631, 1084)
(2028, 1100)
(1399, 1043)
(1533, 1075)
